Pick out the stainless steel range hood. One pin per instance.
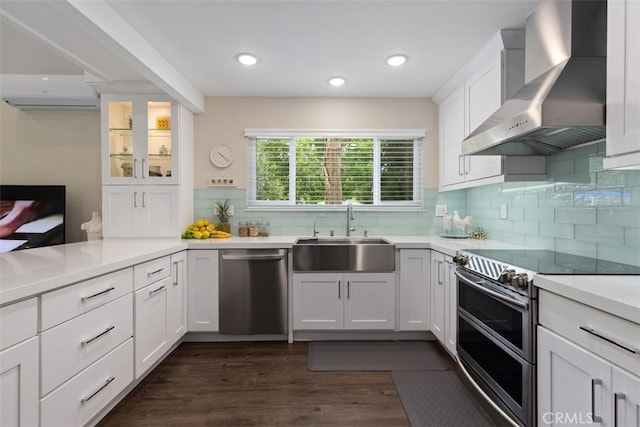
(562, 103)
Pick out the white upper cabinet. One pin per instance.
(484, 84)
(623, 84)
(139, 139)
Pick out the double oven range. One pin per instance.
(497, 318)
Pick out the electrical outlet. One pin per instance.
(503, 211)
(441, 210)
(221, 181)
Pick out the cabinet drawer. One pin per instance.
(570, 319)
(66, 303)
(81, 398)
(77, 343)
(23, 318)
(151, 271)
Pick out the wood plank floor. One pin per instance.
(266, 384)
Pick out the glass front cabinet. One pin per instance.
(139, 139)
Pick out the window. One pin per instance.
(312, 169)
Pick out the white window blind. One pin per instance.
(314, 170)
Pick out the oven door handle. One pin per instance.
(497, 295)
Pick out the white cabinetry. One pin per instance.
(203, 290)
(496, 73)
(19, 364)
(586, 365)
(151, 305)
(344, 301)
(140, 211)
(443, 300)
(177, 298)
(623, 84)
(415, 290)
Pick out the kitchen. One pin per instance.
(581, 209)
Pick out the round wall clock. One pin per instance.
(221, 156)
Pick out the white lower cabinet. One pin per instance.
(151, 331)
(140, 210)
(81, 398)
(344, 301)
(177, 298)
(443, 300)
(19, 375)
(415, 290)
(626, 398)
(202, 266)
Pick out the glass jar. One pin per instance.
(264, 228)
(254, 229)
(243, 229)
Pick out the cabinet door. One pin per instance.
(158, 212)
(119, 205)
(318, 301)
(202, 309)
(19, 376)
(623, 81)
(177, 298)
(626, 399)
(451, 306)
(452, 117)
(369, 301)
(415, 290)
(438, 293)
(574, 386)
(150, 335)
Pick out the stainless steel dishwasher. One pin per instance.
(253, 291)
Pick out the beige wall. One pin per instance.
(54, 148)
(225, 119)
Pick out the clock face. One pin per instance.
(221, 156)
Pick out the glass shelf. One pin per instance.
(128, 156)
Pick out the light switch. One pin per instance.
(441, 210)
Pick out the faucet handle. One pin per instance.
(366, 233)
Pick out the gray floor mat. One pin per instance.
(438, 398)
(374, 356)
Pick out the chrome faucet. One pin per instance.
(350, 218)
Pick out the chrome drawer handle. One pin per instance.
(106, 331)
(157, 290)
(83, 299)
(88, 398)
(594, 383)
(151, 273)
(616, 397)
(601, 335)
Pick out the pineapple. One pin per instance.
(223, 216)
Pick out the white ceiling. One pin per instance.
(301, 43)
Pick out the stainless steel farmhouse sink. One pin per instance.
(344, 254)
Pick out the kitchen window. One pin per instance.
(316, 169)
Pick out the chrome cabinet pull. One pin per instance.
(102, 387)
(135, 168)
(339, 286)
(175, 280)
(440, 281)
(135, 199)
(459, 172)
(601, 335)
(348, 289)
(594, 383)
(143, 169)
(156, 290)
(106, 331)
(83, 299)
(144, 204)
(616, 397)
(151, 273)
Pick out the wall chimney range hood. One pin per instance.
(562, 103)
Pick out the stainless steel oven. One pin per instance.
(496, 334)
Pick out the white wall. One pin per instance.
(55, 148)
(225, 119)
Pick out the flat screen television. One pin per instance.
(31, 216)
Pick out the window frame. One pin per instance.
(417, 135)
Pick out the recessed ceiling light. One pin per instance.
(337, 81)
(247, 59)
(397, 60)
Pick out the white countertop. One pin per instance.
(28, 273)
(619, 295)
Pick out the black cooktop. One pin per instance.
(551, 262)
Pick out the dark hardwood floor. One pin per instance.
(265, 384)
